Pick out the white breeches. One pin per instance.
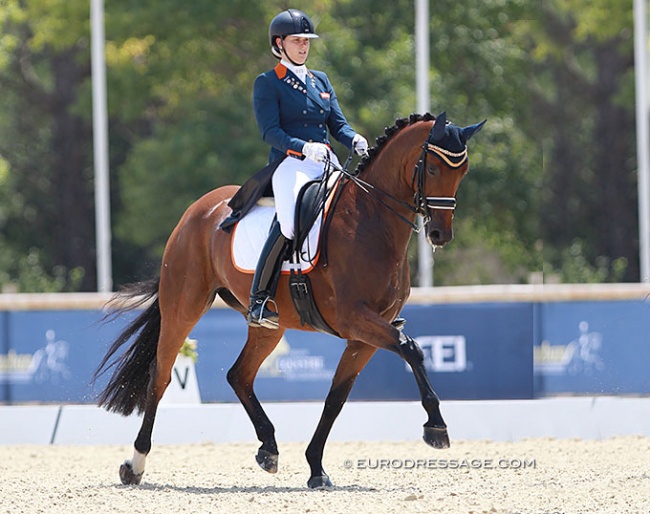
(288, 179)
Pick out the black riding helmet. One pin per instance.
(291, 22)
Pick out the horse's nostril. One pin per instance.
(439, 237)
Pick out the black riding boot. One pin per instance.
(265, 280)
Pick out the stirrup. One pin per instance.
(260, 319)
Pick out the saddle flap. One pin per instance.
(313, 202)
(309, 205)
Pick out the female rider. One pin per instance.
(295, 108)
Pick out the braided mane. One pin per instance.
(389, 132)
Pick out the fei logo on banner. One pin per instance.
(443, 354)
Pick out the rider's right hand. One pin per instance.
(316, 151)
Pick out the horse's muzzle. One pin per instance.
(438, 235)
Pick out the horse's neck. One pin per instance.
(389, 174)
(392, 168)
(393, 165)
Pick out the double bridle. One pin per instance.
(422, 204)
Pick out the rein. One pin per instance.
(421, 203)
(375, 192)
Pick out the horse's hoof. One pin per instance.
(436, 437)
(268, 461)
(127, 476)
(318, 482)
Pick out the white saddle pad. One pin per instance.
(251, 233)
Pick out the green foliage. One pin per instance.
(57, 24)
(554, 79)
(27, 274)
(601, 20)
(211, 145)
(479, 254)
(575, 267)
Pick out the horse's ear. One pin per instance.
(468, 132)
(438, 130)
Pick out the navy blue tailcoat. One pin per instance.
(290, 113)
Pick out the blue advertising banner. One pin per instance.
(472, 351)
(300, 368)
(52, 355)
(593, 347)
(6, 361)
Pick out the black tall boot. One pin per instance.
(265, 280)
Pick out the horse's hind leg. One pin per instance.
(355, 356)
(177, 321)
(241, 377)
(170, 342)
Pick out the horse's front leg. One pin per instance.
(435, 429)
(371, 328)
(355, 356)
(241, 377)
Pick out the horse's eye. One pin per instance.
(434, 170)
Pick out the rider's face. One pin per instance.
(296, 48)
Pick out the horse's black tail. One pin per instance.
(127, 389)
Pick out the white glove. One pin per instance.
(360, 144)
(316, 151)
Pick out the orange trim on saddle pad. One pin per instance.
(313, 262)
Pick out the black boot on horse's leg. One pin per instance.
(399, 323)
(265, 280)
(435, 429)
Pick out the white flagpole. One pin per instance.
(642, 141)
(425, 252)
(100, 147)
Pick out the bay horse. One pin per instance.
(414, 169)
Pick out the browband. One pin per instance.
(446, 154)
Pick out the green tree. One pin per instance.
(45, 142)
(552, 180)
(481, 69)
(582, 98)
